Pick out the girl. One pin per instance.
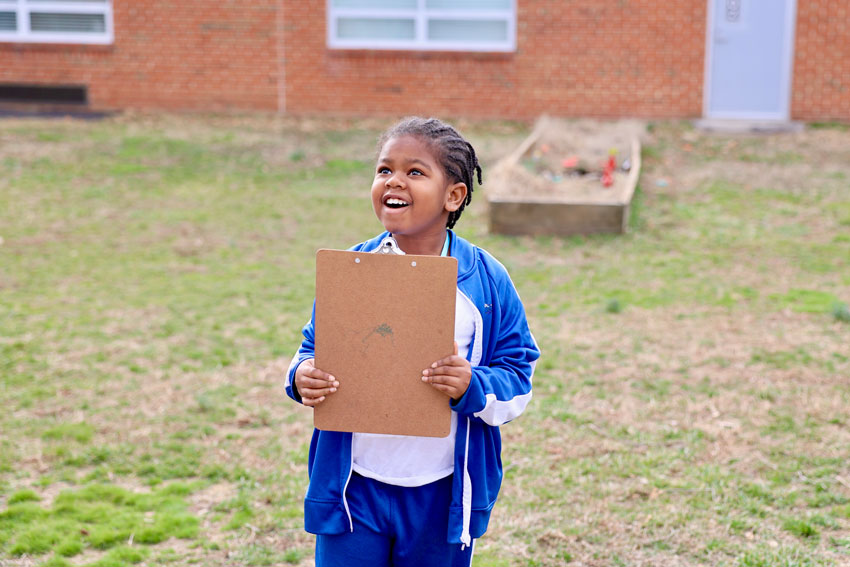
(381, 500)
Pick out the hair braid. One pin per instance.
(456, 155)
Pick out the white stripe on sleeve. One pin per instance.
(497, 412)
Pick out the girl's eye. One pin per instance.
(415, 172)
(384, 170)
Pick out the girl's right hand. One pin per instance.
(313, 384)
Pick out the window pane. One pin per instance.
(379, 4)
(471, 5)
(471, 31)
(368, 28)
(8, 21)
(76, 23)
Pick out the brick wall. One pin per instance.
(821, 84)
(600, 58)
(192, 54)
(574, 57)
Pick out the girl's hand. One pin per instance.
(313, 384)
(451, 375)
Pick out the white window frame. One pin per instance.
(23, 9)
(421, 16)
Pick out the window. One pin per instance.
(56, 21)
(456, 25)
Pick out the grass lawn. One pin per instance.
(690, 409)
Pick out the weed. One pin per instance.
(800, 528)
(613, 306)
(840, 312)
(25, 495)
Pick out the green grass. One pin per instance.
(830, 126)
(260, 556)
(801, 528)
(79, 432)
(689, 409)
(97, 516)
(786, 557)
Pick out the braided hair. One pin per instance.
(455, 154)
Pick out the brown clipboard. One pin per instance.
(380, 320)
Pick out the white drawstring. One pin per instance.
(345, 488)
(466, 496)
(465, 538)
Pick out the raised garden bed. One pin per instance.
(566, 178)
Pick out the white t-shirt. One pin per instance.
(406, 460)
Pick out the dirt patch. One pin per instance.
(25, 561)
(206, 499)
(684, 159)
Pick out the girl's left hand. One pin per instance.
(450, 375)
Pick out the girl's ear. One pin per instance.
(455, 196)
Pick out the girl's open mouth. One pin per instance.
(394, 203)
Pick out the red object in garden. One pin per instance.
(608, 172)
(569, 162)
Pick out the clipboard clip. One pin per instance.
(389, 246)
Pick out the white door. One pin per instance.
(750, 48)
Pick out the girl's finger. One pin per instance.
(454, 371)
(316, 383)
(312, 402)
(442, 380)
(319, 374)
(450, 391)
(451, 361)
(316, 392)
(442, 385)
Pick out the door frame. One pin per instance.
(787, 70)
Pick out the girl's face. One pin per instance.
(411, 194)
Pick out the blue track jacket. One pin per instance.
(502, 355)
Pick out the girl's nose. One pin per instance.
(395, 180)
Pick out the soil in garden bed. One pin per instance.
(570, 160)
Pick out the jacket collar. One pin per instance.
(461, 249)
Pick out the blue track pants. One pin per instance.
(394, 526)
